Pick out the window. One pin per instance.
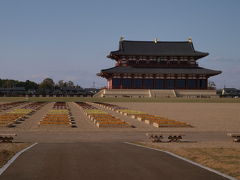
(159, 84)
(180, 83)
(192, 83)
(126, 84)
(170, 84)
(116, 82)
(137, 83)
(202, 83)
(148, 83)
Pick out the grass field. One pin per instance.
(90, 99)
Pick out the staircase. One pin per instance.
(137, 93)
(163, 93)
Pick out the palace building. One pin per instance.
(157, 65)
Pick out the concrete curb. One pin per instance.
(184, 159)
(4, 168)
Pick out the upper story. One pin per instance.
(156, 54)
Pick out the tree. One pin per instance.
(70, 84)
(30, 85)
(211, 85)
(61, 83)
(78, 87)
(47, 84)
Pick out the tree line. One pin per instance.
(46, 84)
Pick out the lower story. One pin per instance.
(151, 83)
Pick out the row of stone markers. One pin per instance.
(9, 105)
(18, 115)
(156, 121)
(101, 118)
(59, 115)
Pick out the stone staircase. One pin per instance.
(153, 93)
(163, 93)
(123, 93)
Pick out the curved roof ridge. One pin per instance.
(158, 41)
(159, 48)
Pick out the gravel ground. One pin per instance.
(203, 116)
(211, 122)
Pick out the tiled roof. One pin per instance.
(136, 70)
(159, 48)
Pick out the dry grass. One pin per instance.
(221, 158)
(7, 150)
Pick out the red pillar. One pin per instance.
(110, 83)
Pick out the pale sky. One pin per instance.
(70, 39)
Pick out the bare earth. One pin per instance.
(203, 116)
(224, 157)
(209, 117)
(7, 150)
(211, 122)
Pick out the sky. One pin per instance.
(70, 39)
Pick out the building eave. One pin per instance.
(133, 70)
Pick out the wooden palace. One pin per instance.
(157, 65)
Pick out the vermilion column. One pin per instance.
(109, 85)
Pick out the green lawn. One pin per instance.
(89, 99)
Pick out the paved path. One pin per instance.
(106, 161)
